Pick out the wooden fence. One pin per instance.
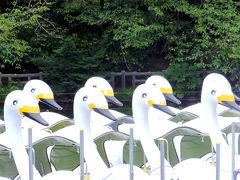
(117, 79)
(132, 79)
(19, 78)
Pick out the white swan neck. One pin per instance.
(142, 127)
(95, 163)
(13, 130)
(209, 117)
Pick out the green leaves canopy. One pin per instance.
(117, 35)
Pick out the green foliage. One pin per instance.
(129, 32)
(125, 95)
(184, 79)
(192, 35)
(12, 49)
(207, 41)
(4, 90)
(26, 32)
(68, 76)
(72, 40)
(15, 27)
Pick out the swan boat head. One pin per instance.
(42, 92)
(19, 103)
(146, 96)
(217, 90)
(87, 100)
(104, 87)
(164, 86)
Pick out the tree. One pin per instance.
(137, 35)
(201, 35)
(20, 29)
(207, 41)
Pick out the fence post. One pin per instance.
(123, 79)
(133, 79)
(41, 75)
(112, 81)
(9, 80)
(29, 77)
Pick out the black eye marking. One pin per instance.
(144, 95)
(94, 86)
(15, 102)
(213, 92)
(85, 98)
(33, 90)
